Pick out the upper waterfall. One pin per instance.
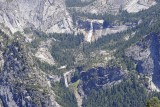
(90, 34)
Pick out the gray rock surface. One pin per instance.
(113, 6)
(44, 15)
(97, 78)
(52, 15)
(146, 54)
(21, 82)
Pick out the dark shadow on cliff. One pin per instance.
(155, 54)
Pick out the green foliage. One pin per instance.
(77, 3)
(68, 40)
(129, 93)
(64, 49)
(153, 102)
(38, 37)
(150, 25)
(48, 68)
(64, 96)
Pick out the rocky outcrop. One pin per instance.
(138, 5)
(94, 29)
(114, 6)
(45, 15)
(22, 83)
(98, 78)
(146, 54)
(67, 77)
(43, 52)
(52, 16)
(1, 105)
(95, 79)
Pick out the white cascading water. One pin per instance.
(90, 34)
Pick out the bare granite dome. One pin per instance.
(52, 15)
(113, 6)
(45, 15)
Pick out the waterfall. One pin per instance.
(90, 34)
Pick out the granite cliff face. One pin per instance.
(52, 16)
(95, 29)
(97, 78)
(21, 82)
(114, 6)
(31, 67)
(146, 54)
(45, 15)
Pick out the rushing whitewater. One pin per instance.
(90, 34)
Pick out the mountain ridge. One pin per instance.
(52, 55)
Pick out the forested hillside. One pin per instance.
(59, 54)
